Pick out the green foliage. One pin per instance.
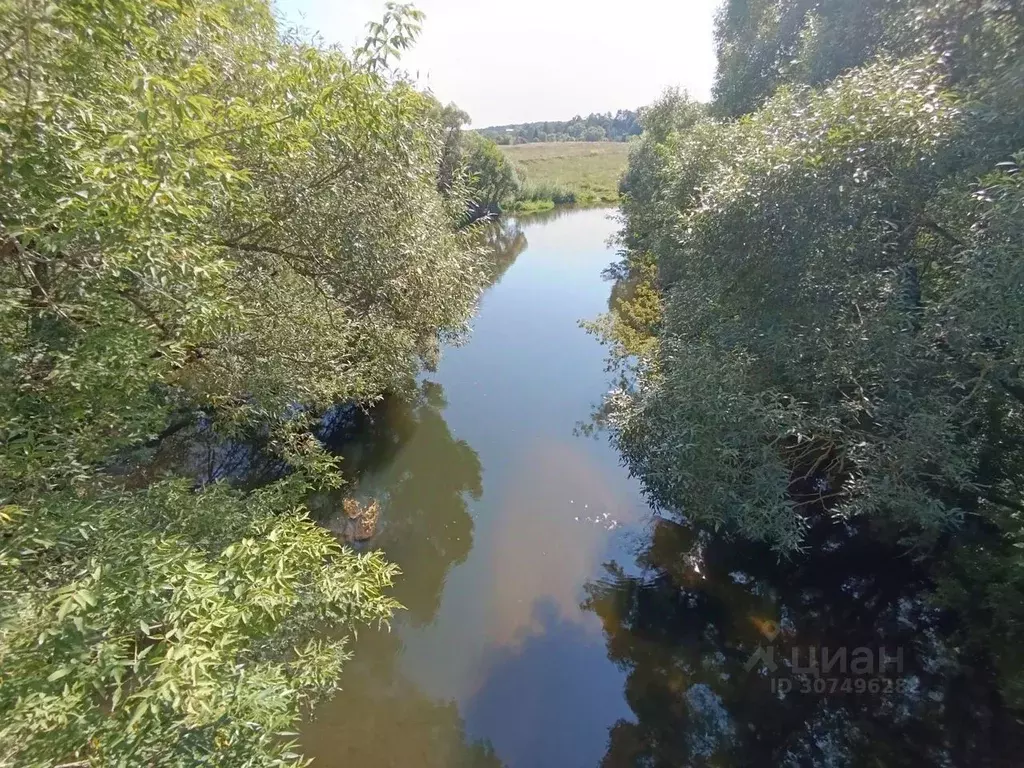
(473, 165)
(666, 123)
(493, 179)
(842, 329)
(544, 192)
(171, 626)
(198, 214)
(632, 325)
(452, 166)
(562, 173)
(595, 127)
(763, 44)
(809, 320)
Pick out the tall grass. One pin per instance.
(591, 171)
(559, 194)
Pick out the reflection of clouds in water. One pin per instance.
(493, 559)
(381, 718)
(543, 548)
(528, 551)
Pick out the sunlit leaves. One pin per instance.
(493, 178)
(841, 331)
(136, 601)
(199, 214)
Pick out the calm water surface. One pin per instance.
(498, 515)
(553, 620)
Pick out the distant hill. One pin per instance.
(595, 127)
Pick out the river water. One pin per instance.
(552, 619)
(498, 513)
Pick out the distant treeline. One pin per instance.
(595, 127)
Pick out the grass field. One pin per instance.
(590, 170)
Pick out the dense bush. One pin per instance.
(198, 214)
(557, 194)
(493, 179)
(764, 44)
(840, 272)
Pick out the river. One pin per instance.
(498, 513)
(552, 619)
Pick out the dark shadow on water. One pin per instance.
(406, 457)
(687, 629)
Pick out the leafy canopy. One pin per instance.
(840, 280)
(200, 214)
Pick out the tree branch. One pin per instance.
(260, 249)
(938, 229)
(1002, 501)
(136, 302)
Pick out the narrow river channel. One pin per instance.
(498, 513)
(552, 620)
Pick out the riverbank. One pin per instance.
(543, 204)
(585, 174)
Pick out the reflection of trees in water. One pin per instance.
(405, 456)
(552, 214)
(399, 452)
(380, 718)
(686, 628)
(506, 241)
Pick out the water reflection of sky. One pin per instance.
(505, 522)
(508, 643)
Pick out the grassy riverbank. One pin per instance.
(561, 173)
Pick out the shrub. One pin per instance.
(198, 215)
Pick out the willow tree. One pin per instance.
(840, 275)
(764, 44)
(199, 213)
(494, 179)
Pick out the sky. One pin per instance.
(533, 60)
